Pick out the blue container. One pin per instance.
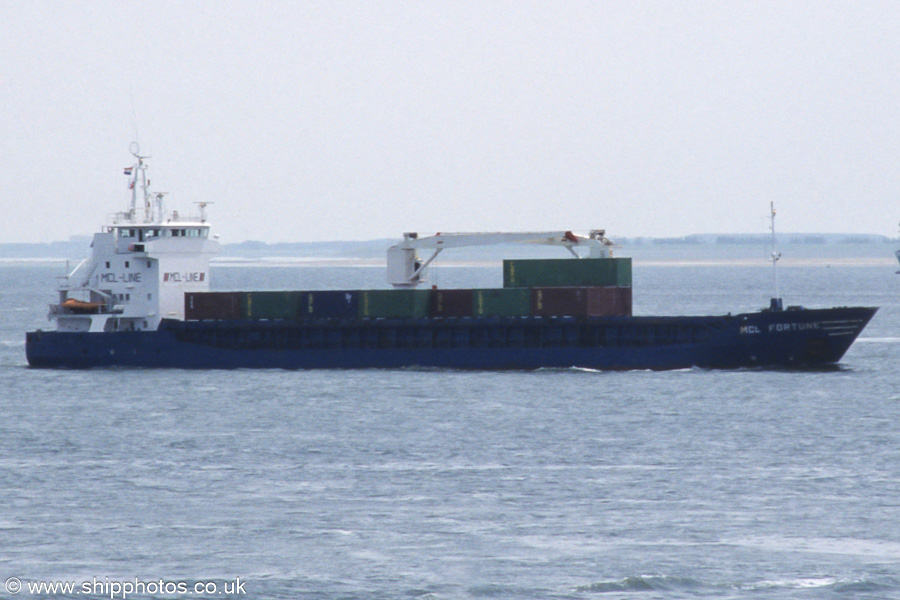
(330, 305)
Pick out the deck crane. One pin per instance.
(404, 269)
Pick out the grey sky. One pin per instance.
(358, 120)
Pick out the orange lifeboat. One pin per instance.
(81, 307)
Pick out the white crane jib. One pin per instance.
(404, 269)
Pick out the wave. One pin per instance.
(878, 340)
(642, 583)
(676, 585)
(791, 584)
(604, 371)
(873, 550)
(831, 584)
(505, 591)
(567, 370)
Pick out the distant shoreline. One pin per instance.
(306, 263)
(712, 249)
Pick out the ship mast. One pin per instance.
(140, 169)
(775, 304)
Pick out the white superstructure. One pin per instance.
(141, 265)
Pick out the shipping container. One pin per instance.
(501, 302)
(581, 301)
(212, 306)
(405, 303)
(451, 303)
(567, 272)
(271, 305)
(609, 302)
(558, 301)
(330, 305)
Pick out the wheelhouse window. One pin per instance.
(192, 232)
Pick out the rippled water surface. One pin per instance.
(456, 485)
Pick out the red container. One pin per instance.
(212, 306)
(559, 302)
(581, 301)
(609, 302)
(450, 303)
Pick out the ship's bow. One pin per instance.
(795, 337)
(840, 328)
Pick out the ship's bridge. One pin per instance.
(146, 238)
(141, 234)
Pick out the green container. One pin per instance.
(567, 272)
(502, 302)
(271, 305)
(403, 304)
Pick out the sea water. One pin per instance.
(398, 484)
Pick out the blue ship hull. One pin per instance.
(790, 338)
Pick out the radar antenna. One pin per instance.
(203, 206)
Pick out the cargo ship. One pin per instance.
(143, 299)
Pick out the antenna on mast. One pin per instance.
(140, 169)
(775, 304)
